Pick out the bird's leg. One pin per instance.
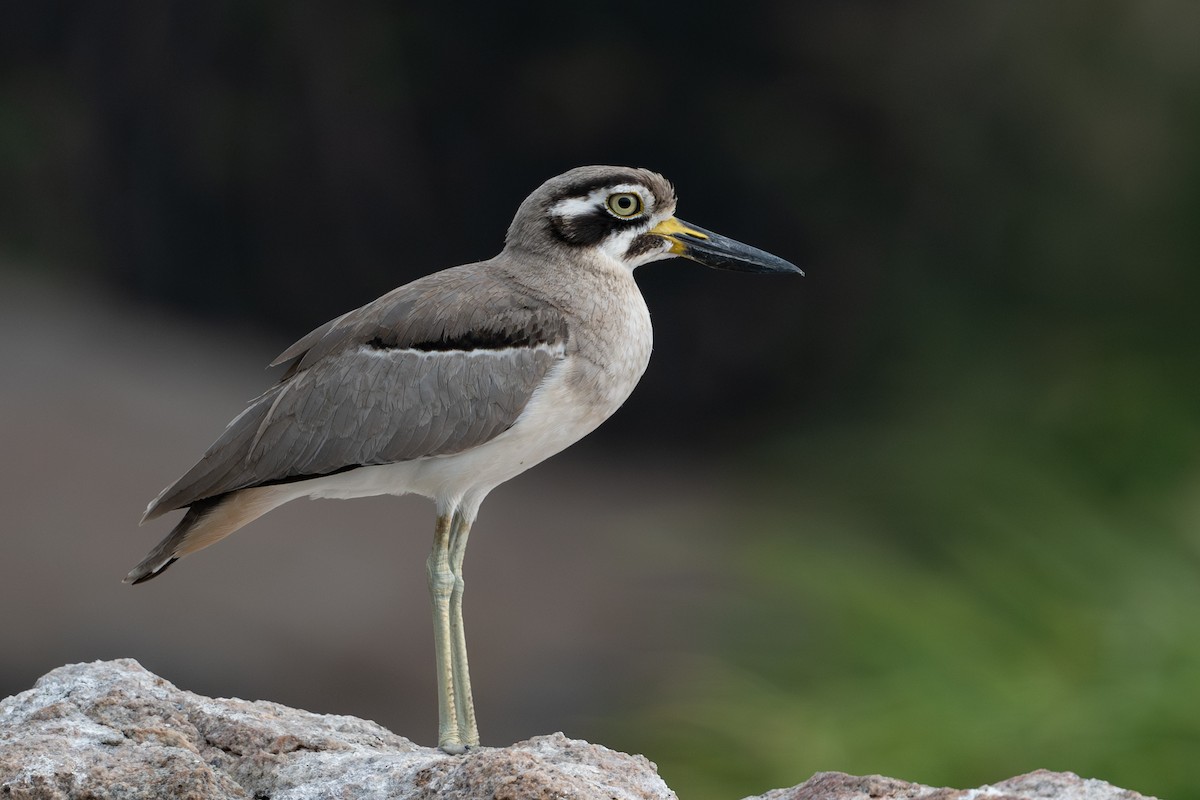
(441, 587)
(460, 527)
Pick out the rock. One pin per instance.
(1038, 785)
(111, 729)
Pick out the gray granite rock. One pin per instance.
(1039, 785)
(111, 729)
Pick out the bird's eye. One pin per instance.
(625, 204)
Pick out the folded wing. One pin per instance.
(413, 374)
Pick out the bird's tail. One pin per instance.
(207, 522)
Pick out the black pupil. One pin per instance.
(625, 203)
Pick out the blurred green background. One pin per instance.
(957, 531)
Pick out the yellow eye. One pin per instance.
(625, 204)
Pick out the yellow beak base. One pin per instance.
(671, 227)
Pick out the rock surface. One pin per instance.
(111, 729)
(1039, 785)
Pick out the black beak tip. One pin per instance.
(787, 266)
(729, 254)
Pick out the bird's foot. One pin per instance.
(453, 748)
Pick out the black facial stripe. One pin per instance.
(586, 230)
(591, 228)
(643, 244)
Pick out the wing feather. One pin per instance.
(420, 372)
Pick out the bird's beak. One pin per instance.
(714, 250)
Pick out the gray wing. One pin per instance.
(469, 307)
(418, 372)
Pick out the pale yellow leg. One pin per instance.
(460, 528)
(441, 588)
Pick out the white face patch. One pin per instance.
(617, 245)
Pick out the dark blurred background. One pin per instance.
(932, 511)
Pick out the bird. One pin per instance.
(454, 383)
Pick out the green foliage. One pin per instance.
(1000, 578)
(982, 556)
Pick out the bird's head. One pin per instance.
(627, 215)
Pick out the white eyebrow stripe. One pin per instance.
(573, 207)
(577, 206)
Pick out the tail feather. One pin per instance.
(207, 522)
(141, 573)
